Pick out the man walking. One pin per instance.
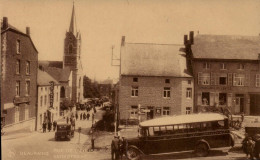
(44, 125)
(54, 125)
(49, 126)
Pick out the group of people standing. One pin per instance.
(49, 125)
(118, 148)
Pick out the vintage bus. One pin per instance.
(198, 132)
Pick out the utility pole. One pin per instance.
(117, 65)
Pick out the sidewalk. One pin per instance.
(18, 134)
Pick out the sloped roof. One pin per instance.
(57, 64)
(59, 74)
(15, 30)
(44, 78)
(143, 59)
(226, 47)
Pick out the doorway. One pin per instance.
(254, 104)
(150, 114)
(239, 106)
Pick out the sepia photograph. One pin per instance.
(130, 79)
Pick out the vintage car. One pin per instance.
(64, 131)
(198, 132)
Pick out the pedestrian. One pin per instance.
(44, 125)
(80, 116)
(71, 119)
(122, 148)
(248, 147)
(115, 148)
(88, 115)
(93, 117)
(242, 117)
(54, 125)
(73, 123)
(77, 116)
(84, 116)
(67, 120)
(49, 126)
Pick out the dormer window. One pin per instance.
(206, 65)
(70, 49)
(135, 79)
(167, 80)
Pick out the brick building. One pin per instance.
(155, 77)
(19, 78)
(48, 108)
(226, 72)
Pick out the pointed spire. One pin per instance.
(73, 27)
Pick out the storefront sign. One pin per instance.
(225, 88)
(51, 93)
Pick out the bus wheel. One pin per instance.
(202, 150)
(133, 154)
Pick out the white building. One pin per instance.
(48, 107)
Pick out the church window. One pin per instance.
(62, 92)
(70, 49)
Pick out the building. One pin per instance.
(226, 72)
(68, 72)
(155, 77)
(18, 78)
(48, 108)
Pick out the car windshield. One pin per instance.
(62, 127)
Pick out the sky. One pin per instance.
(102, 24)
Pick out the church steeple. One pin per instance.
(73, 27)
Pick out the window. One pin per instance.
(241, 66)
(27, 67)
(27, 88)
(205, 98)
(57, 97)
(17, 67)
(239, 80)
(204, 78)
(189, 93)
(134, 112)
(17, 88)
(223, 80)
(18, 47)
(135, 79)
(188, 110)
(41, 101)
(222, 98)
(257, 81)
(167, 80)
(134, 91)
(45, 100)
(70, 49)
(167, 92)
(62, 92)
(206, 65)
(166, 111)
(223, 66)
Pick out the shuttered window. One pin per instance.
(230, 79)
(257, 80)
(199, 99)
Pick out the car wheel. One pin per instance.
(133, 154)
(202, 150)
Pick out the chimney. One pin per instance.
(191, 37)
(123, 41)
(28, 31)
(185, 39)
(5, 23)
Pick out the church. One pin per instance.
(69, 72)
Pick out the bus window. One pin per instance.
(156, 131)
(169, 129)
(151, 131)
(163, 130)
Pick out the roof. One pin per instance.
(44, 78)
(182, 119)
(226, 47)
(13, 29)
(57, 64)
(144, 59)
(59, 74)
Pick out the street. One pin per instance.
(42, 146)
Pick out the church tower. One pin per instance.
(72, 58)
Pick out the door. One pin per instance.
(239, 105)
(150, 114)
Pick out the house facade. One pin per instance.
(226, 72)
(154, 79)
(48, 108)
(19, 78)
